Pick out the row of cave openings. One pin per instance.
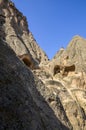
(64, 70)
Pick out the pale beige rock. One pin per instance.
(56, 88)
(18, 35)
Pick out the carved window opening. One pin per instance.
(69, 68)
(27, 62)
(56, 69)
(65, 70)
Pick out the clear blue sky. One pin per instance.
(54, 22)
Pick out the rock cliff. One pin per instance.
(17, 34)
(37, 93)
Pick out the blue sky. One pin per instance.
(54, 22)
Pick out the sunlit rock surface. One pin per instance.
(37, 93)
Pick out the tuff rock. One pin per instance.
(37, 93)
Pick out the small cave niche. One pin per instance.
(27, 60)
(64, 70)
(69, 68)
(56, 69)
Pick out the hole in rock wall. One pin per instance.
(56, 69)
(64, 70)
(27, 61)
(69, 68)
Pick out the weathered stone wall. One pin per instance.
(18, 36)
(35, 93)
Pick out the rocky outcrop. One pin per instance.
(65, 77)
(37, 93)
(69, 69)
(22, 107)
(18, 35)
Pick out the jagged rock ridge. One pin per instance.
(18, 35)
(38, 94)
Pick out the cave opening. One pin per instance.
(56, 69)
(27, 62)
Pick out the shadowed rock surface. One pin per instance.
(37, 93)
(22, 107)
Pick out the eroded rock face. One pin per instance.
(18, 35)
(35, 93)
(22, 107)
(65, 77)
(68, 68)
